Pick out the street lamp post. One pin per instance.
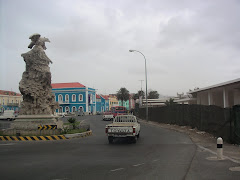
(146, 81)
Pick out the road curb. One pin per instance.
(78, 135)
(209, 145)
(45, 138)
(32, 138)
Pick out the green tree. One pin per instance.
(170, 102)
(153, 95)
(123, 94)
(138, 94)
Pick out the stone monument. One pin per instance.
(35, 85)
(38, 105)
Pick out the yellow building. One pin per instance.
(10, 100)
(113, 101)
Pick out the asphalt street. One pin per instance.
(158, 154)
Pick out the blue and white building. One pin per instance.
(102, 103)
(74, 97)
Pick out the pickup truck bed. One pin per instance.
(124, 126)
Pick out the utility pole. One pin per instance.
(141, 83)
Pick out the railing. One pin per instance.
(12, 104)
(63, 102)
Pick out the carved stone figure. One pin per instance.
(35, 85)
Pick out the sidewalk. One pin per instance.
(204, 140)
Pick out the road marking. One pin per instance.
(214, 158)
(138, 164)
(119, 169)
(225, 157)
(234, 168)
(155, 160)
(82, 121)
(7, 144)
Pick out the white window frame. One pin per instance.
(74, 100)
(80, 97)
(67, 97)
(80, 108)
(74, 109)
(67, 108)
(60, 98)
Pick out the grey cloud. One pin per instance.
(90, 41)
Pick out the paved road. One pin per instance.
(158, 154)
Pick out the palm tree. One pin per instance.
(123, 94)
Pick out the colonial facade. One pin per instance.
(129, 104)
(74, 97)
(10, 100)
(105, 99)
(102, 103)
(113, 101)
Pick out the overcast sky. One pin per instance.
(187, 44)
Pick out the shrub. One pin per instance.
(73, 122)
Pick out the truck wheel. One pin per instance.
(110, 140)
(138, 136)
(134, 139)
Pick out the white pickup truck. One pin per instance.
(123, 126)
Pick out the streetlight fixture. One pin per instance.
(146, 80)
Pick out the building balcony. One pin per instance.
(13, 104)
(63, 102)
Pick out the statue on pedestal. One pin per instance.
(35, 85)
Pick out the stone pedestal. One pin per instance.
(27, 125)
(31, 122)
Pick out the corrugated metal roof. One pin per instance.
(67, 85)
(215, 86)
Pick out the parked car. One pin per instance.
(8, 115)
(98, 113)
(107, 116)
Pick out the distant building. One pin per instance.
(129, 104)
(124, 103)
(102, 103)
(155, 102)
(99, 104)
(105, 99)
(225, 94)
(113, 101)
(10, 100)
(74, 97)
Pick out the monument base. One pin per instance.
(31, 122)
(28, 125)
